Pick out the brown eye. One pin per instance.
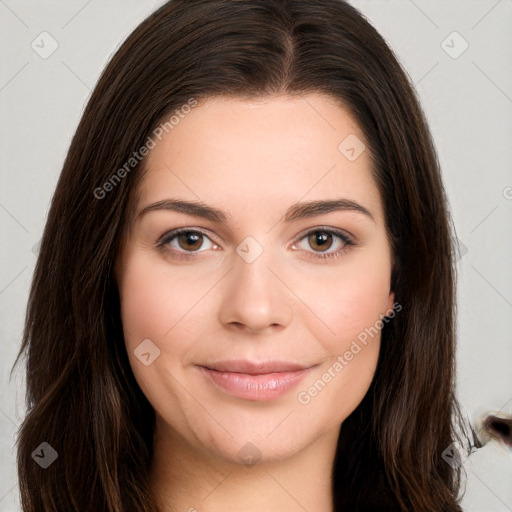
(187, 240)
(190, 240)
(323, 243)
(185, 243)
(320, 241)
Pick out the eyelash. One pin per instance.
(347, 242)
(163, 242)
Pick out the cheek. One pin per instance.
(347, 303)
(346, 326)
(155, 303)
(159, 306)
(349, 337)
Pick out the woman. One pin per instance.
(244, 295)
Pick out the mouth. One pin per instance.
(255, 381)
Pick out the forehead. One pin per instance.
(239, 151)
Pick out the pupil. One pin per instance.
(190, 240)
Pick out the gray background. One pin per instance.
(467, 97)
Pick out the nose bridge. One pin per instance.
(254, 297)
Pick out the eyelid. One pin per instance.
(344, 235)
(325, 256)
(186, 229)
(163, 242)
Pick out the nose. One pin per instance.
(254, 299)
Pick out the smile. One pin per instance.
(253, 381)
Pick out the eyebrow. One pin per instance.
(314, 208)
(295, 212)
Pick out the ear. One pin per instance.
(390, 303)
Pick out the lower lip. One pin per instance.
(261, 388)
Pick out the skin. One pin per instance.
(253, 160)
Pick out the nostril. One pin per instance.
(500, 428)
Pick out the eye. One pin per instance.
(187, 241)
(323, 242)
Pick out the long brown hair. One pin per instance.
(82, 397)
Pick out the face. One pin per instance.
(256, 275)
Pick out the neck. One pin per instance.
(188, 479)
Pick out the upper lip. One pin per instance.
(255, 368)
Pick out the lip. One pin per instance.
(255, 381)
